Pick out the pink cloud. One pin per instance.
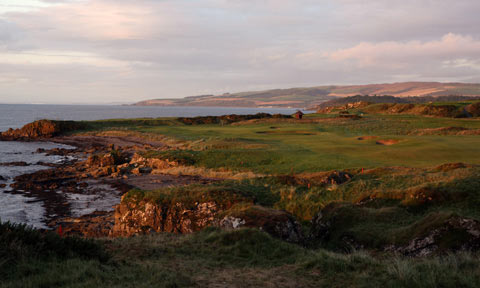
(401, 54)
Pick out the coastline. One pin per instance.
(81, 195)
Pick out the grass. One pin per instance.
(325, 144)
(241, 258)
(393, 193)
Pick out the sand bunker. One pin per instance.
(387, 142)
(367, 137)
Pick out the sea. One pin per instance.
(25, 208)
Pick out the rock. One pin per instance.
(455, 234)
(3, 185)
(279, 224)
(138, 160)
(97, 224)
(136, 171)
(18, 164)
(2, 178)
(40, 129)
(100, 160)
(143, 217)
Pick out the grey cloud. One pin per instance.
(178, 48)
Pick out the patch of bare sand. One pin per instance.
(387, 142)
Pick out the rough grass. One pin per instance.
(20, 245)
(241, 258)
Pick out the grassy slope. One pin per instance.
(242, 258)
(312, 96)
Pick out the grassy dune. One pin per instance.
(242, 258)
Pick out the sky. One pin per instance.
(123, 51)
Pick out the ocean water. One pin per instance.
(21, 206)
(15, 116)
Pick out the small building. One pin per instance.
(298, 114)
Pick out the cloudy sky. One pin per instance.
(122, 51)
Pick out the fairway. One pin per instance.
(320, 143)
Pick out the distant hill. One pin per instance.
(393, 99)
(314, 96)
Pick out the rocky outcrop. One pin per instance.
(139, 161)
(455, 234)
(114, 157)
(40, 129)
(142, 217)
(434, 234)
(279, 224)
(95, 225)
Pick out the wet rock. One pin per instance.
(18, 164)
(142, 170)
(100, 160)
(58, 152)
(97, 224)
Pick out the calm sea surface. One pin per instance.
(16, 116)
(24, 208)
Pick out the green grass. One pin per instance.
(326, 145)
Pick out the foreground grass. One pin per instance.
(241, 258)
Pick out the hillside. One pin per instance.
(392, 99)
(313, 96)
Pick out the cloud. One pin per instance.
(394, 55)
(122, 50)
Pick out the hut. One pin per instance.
(298, 114)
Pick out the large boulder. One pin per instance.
(279, 224)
